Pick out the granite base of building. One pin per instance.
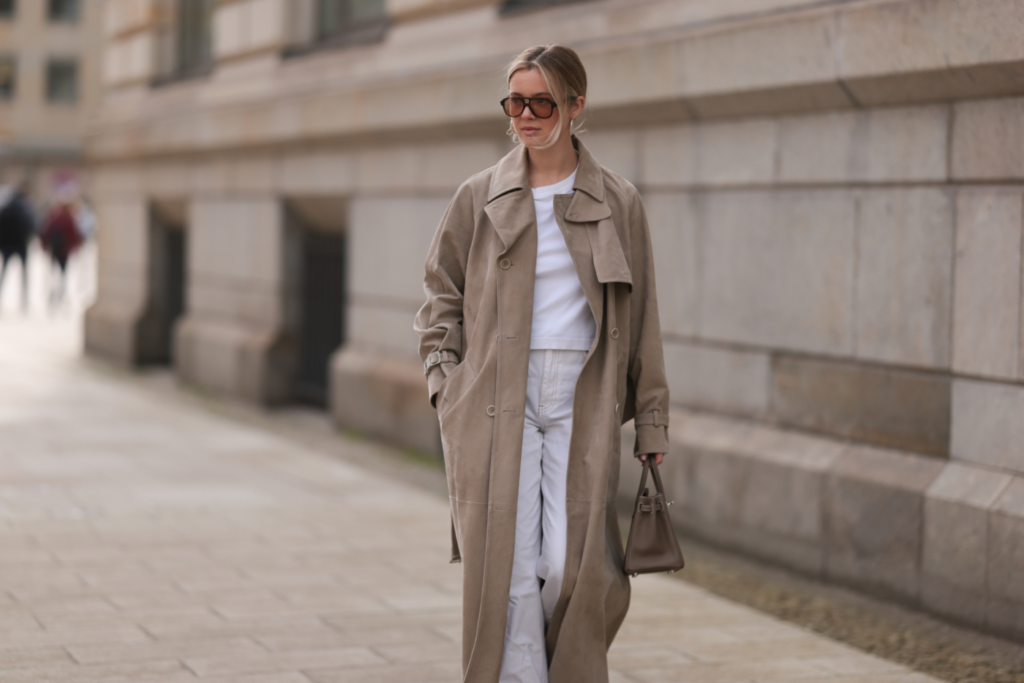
(385, 398)
(111, 333)
(249, 362)
(940, 535)
(124, 333)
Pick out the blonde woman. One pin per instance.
(540, 337)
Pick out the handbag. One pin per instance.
(652, 545)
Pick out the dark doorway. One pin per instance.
(174, 288)
(168, 274)
(322, 322)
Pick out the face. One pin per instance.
(535, 131)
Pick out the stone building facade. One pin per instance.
(835, 191)
(49, 86)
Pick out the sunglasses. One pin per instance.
(541, 107)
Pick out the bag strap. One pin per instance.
(654, 469)
(643, 479)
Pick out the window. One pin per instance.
(194, 33)
(514, 6)
(65, 11)
(8, 71)
(62, 81)
(7, 9)
(336, 17)
(321, 24)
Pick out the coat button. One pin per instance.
(615, 333)
(505, 264)
(491, 410)
(616, 408)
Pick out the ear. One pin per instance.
(577, 107)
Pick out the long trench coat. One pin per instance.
(479, 283)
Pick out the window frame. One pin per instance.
(60, 19)
(369, 30)
(516, 7)
(55, 61)
(13, 59)
(179, 69)
(202, 58)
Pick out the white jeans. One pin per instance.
(539, 559)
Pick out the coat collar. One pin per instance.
(512, 173)
(509, 201)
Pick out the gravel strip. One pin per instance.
(886, 630)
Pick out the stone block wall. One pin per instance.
(840, 275)
(932, 533)
(836, 197)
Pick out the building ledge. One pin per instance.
(809, 57)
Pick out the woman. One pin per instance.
(60, 238)
(540, 337)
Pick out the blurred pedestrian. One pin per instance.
(17, 227)
(540, 337)
(61, 236)
(85, 218)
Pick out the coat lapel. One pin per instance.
(590, 207)
(590, 233)
(596, 249)
(509, 200)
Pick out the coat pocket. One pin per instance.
(453, 386)
(466, 432)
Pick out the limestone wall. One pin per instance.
(836, 197)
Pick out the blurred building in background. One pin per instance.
(835, 191)
(49, 85)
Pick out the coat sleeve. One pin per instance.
(647, 384)
(439, 321)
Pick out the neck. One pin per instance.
(554, 164)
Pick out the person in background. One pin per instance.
(17, 226)
(61, 236)
(85, 217)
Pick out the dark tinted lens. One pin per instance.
(513, 106)
(541, 108)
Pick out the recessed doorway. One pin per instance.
(318, 235)
(168, 258)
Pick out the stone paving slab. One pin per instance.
(143, 539)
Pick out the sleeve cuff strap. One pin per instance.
(651, 439)
(655, 418)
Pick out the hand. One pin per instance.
(658, 457)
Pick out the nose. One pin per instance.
(524, 114)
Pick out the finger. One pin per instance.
(659, 457)
(643, 457)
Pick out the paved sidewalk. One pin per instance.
(143, 539)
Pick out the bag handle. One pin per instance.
(650, 466)
(643, 479)
(654, 470)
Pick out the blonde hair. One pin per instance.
(564, 75)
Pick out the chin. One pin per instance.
(535, 140)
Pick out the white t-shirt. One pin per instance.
(561, 315)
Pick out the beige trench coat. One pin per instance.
(480, 273)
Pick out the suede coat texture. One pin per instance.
(480, 274)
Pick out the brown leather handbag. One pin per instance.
(652, 545)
